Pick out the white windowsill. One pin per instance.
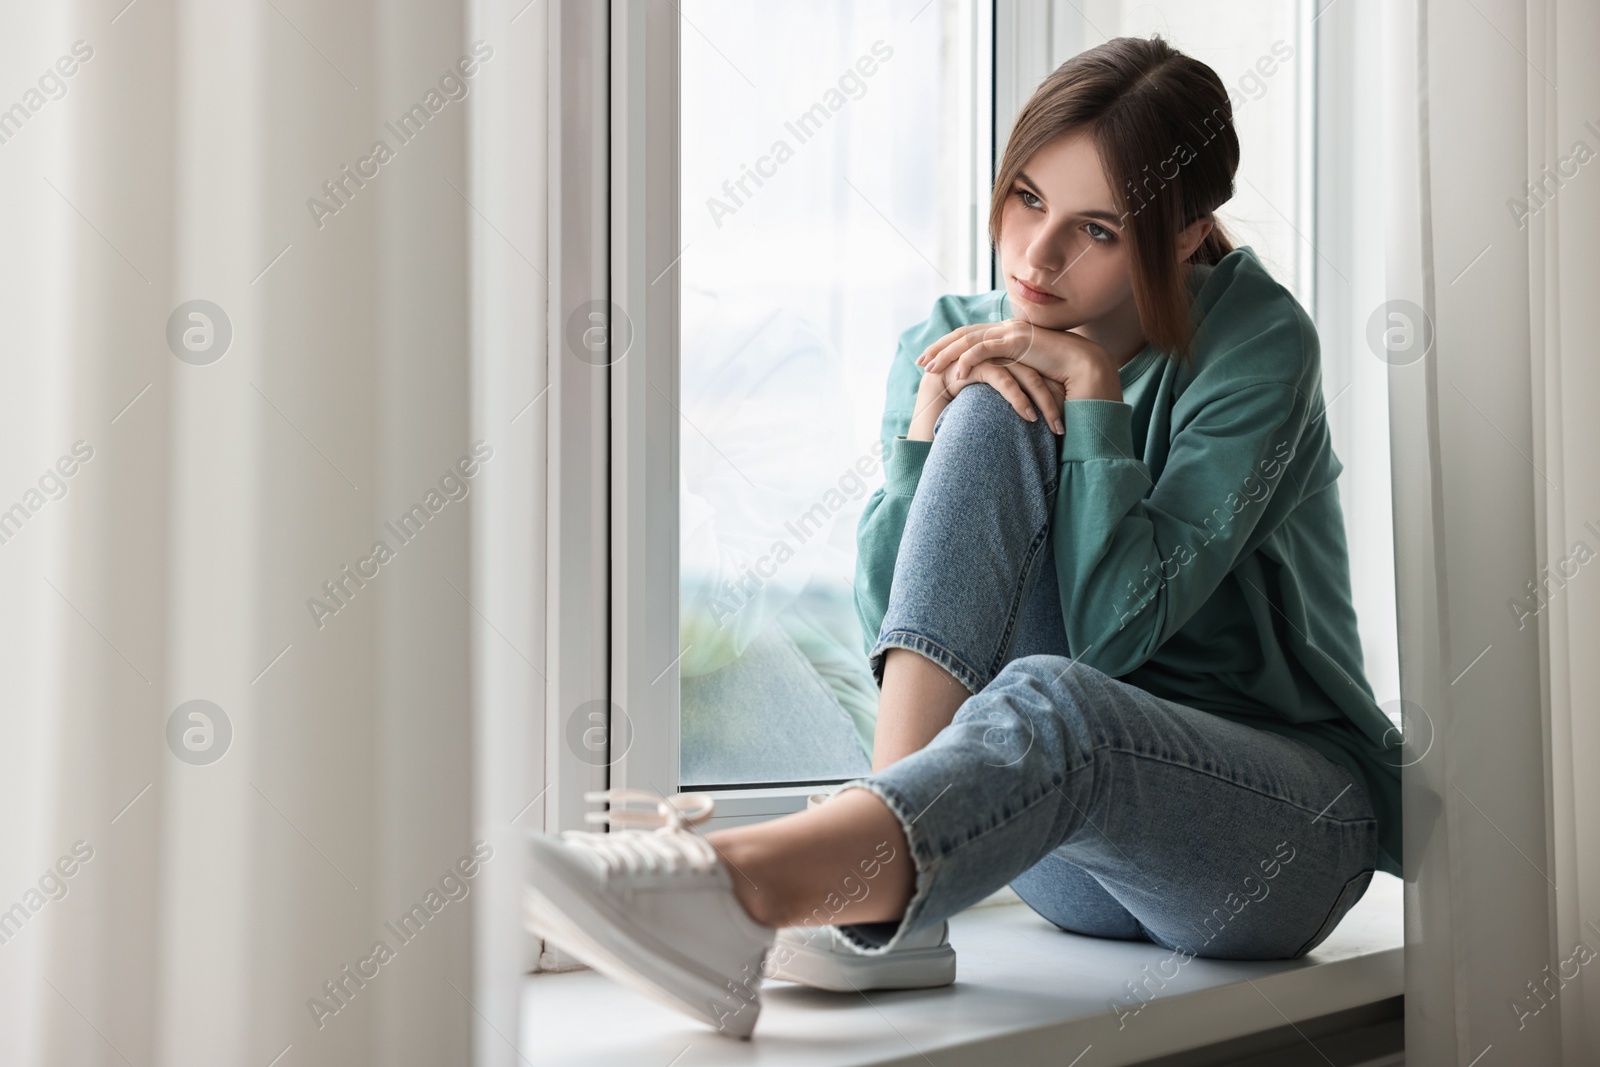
(1024, 990)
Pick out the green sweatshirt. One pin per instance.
(1198, 540)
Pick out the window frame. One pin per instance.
(576, 572)
(645, 423)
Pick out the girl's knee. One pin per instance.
(1056, 699)
(1066, 680)
(983, 405)
(977, 399)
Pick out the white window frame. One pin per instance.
(645, 422)
(577, 576)
(576, 399)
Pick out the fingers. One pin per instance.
(949, 340)
(1043, 393)
(951, 386)
(1005, 383)
(993, 348)
(1058, 392)
(986, 342)
(949, 348)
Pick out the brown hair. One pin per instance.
(1163, 125)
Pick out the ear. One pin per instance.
(1191, 236)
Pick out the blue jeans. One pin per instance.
(1110, 811)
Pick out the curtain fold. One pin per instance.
(1567, 440)
(1493, 214)
(244, 347)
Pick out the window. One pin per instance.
(834, 179)
(832, 167)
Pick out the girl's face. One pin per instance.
(1063, 248)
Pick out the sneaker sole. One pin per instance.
(922, 968)
(563, 907)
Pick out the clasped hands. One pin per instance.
(1031, 366)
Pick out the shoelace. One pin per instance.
(671, 846)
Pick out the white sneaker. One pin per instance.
(653, 910)
(819, 957)
(822, 959)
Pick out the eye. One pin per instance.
(1108, 235)
(1029, 200)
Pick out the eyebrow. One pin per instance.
(1092, 213)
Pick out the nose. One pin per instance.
(1044, 253)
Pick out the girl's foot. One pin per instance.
(654, 910)
(822, 959)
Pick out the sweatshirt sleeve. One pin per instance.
(883, 520)
(1134, 561)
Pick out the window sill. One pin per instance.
(1023, 990)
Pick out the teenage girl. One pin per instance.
(1108, 580)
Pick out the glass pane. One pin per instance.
(834, 159)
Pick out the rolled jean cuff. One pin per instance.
(878, 938)
(931, 649)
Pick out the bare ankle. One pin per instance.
(741, 856)
(919, 699)
(846, 861)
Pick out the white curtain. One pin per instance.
(1493, 223)
(242, 745)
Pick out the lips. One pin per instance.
(1035, 294)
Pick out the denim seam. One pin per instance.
(1331, 921)
(1008, 631)
(915, 642)
(1242, 785)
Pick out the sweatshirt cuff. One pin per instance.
(1097, 429)
(903, 469)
